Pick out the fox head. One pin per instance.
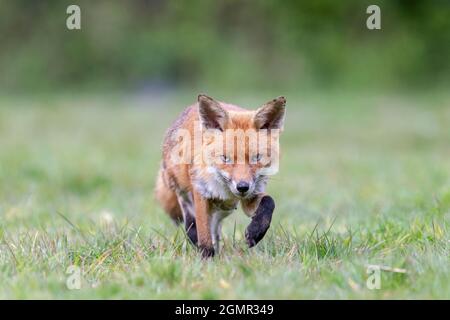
(241, 147)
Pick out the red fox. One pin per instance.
(204, 174)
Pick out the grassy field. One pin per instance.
(364, 180)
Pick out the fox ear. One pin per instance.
(212, 115)
(271, 115)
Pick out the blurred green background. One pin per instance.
(364, 176)
(231, 45)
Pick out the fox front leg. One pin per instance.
(261, 218)
(186, 203)
(203, 224)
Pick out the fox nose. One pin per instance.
(242, 186)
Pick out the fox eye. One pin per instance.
(257, 157)
(225, 159)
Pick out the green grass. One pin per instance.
(363, 181)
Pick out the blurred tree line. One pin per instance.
(233, 44)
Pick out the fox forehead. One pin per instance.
(241, 120)
(239, 117)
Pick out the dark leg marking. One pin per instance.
(207, 252)
(187, 207)
(257, 229)
(191, 228)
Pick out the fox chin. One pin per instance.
(215, 156)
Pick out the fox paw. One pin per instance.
(257, 229)
(207, 252)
